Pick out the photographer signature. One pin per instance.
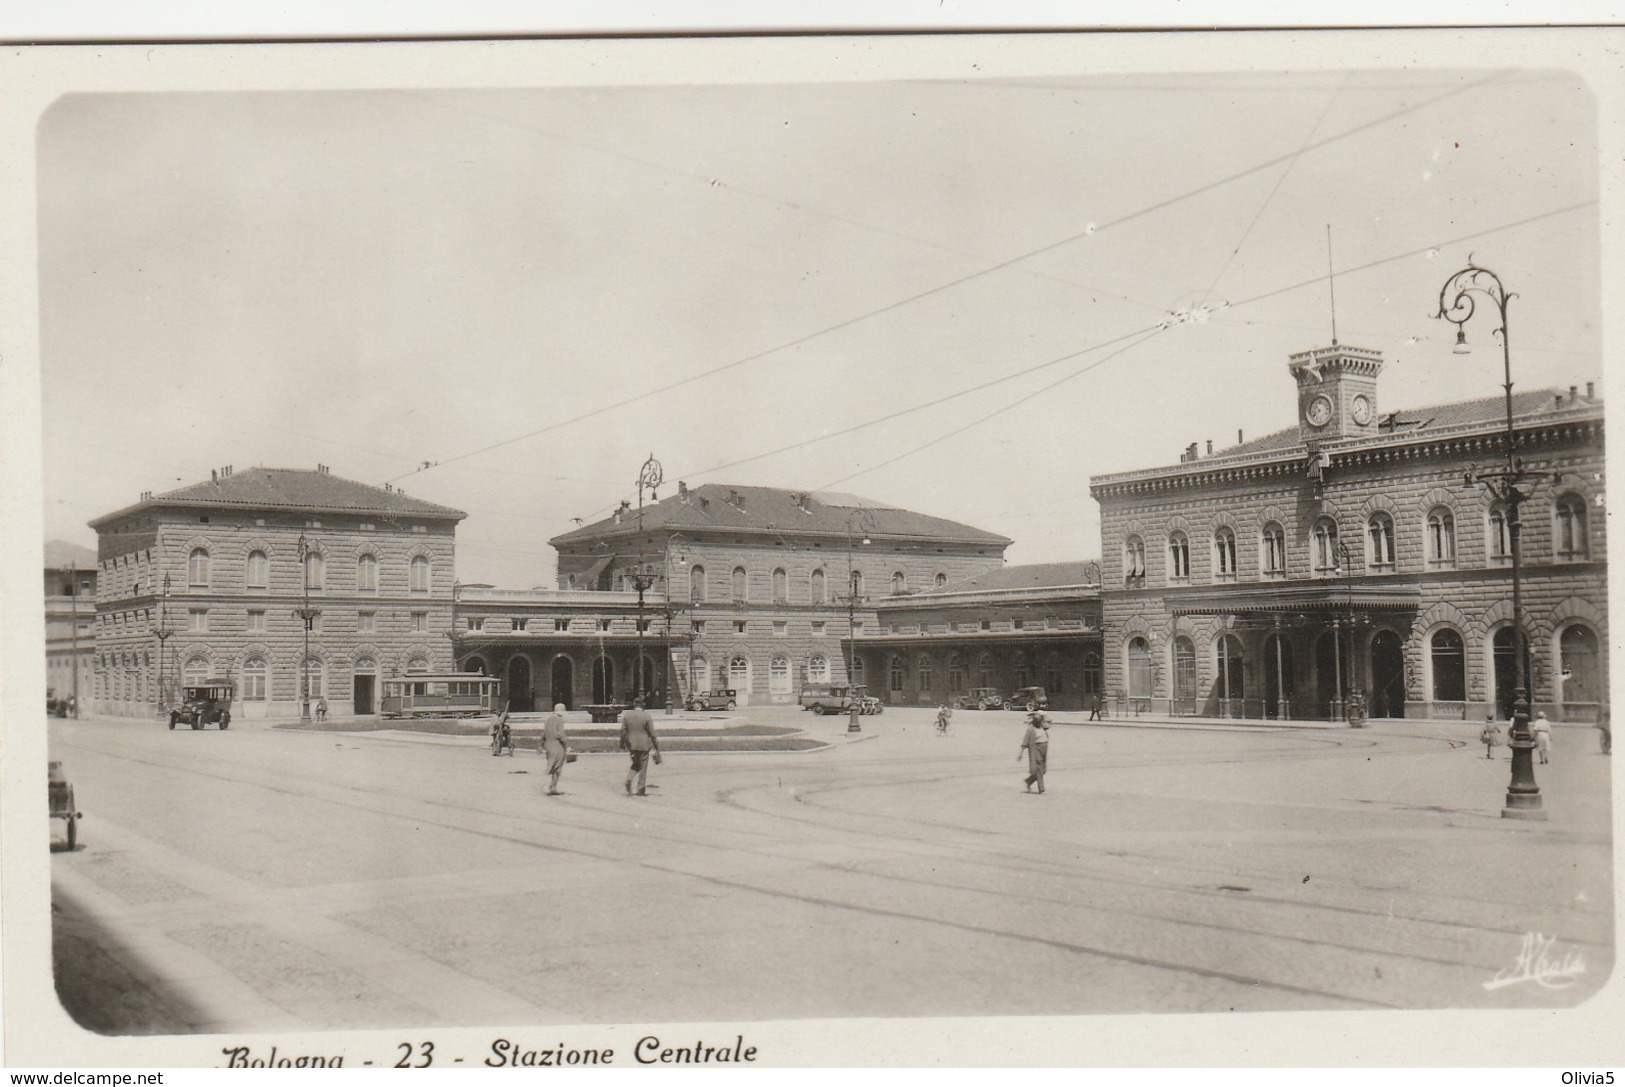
(1536, 962)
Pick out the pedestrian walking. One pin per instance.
(555, 746)
(638, 738)
(1035, 743)
(501, 734)
(1542, 730)
(943, 716)
(321, 709)
(1490, 737)
(1094, 706)
(1607, 729)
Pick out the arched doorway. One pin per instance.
(1278, 685)
(739, 679)
(1230, 694)
(1387, 675)
(364, 678)
(564, 682)
(521, 699)
(1506, 671)
(1185, 682)
(1328, 674)
(603, 681)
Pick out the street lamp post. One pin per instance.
(671, 613)
(1457, 303)
(643, 579)
(305, 613)
(852, 598)
(1354, 698)
(163, 632)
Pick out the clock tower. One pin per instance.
(1337, 392)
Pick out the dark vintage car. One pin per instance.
(841, 700)
(713, 700)
(1028, 698)
(982, 698)
(811, 693)
(205, 704)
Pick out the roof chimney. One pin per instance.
(682, 489)
(214, 475)
(1210, 447)
(1574, 393)
(1238, 435)
(1591, 390)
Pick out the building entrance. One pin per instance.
(563, 687)
(521, 699)
(1387, 676)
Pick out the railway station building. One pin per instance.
(752, 589)
(261, 575)
(1352, 560)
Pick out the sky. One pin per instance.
(961, 296)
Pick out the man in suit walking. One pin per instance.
(638, 738)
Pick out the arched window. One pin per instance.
(315, 571)
(1140, 671)
(1133, 561)
(899, 583)
(781, 586)
(778, 675)
(817, 587)
(1185, 672)
(1053, 675)
(699, 675)
(366, 574)
(1572, 539)
(1224, 554)
(1093, 672)
(940, 581)
(896, 674)
(818, 669)
(985, 671)
(196, 671)
(857, 582)
(1023, 669)
(417, 662)
(739, 673)
(1441, 537)
(1229, 659)
(926, 671)
(696, 585)
(317, 672)
(1380, 542)
(741, 584)
(1273, 551)
(956, 673)
(1579, 665)
(197, 567)
(1327, 557)
(259, 571)
(255, 674)
(1498, 545)
(859, 671)
(420, 574)
(1179, 557)
(1449, 658)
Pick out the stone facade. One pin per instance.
(746, 588)
(207, 582)
(70, 619)
(1350, 563)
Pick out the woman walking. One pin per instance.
(554, 746)
(1036, 745)
(1542, 730)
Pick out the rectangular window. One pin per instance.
(315, 621)
(256, 621)
(1018, 624)
(366, 622)
(818, 628)
(603, 626)
(199, 618)
(698, 626)
(781, 629)
(739, 626)
(987, 624)
(420, 621)
(857, 626)
(643, 626)
(561, 626)
(476, 624)
(520, 624)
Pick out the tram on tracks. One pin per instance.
(447, 694)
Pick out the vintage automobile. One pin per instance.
(713, 700)
(1028, 698)
(982, 698)
(842, 699)
(205, 704)
(62, 805)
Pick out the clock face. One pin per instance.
(1362, 410)
(1320, 411)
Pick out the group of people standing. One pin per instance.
(1540, 728)
(637, 737)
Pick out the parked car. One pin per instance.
(713, 700)
(1028, 698)
(205, 704)
(982, 698)
(812, 692)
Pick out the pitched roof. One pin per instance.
(1489, 409)
(314, 491)
(1035, 575)
(723, 507)
(60, 555)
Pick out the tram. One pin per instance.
(447, 694)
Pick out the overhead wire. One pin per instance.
(1089, 230)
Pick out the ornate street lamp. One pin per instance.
(305, 614)
(1457, 303)
(163, 632)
